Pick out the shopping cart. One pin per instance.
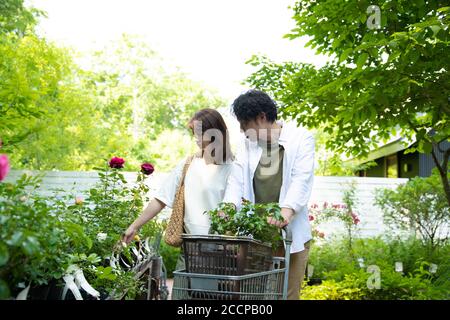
(148, 266)
(264, 285)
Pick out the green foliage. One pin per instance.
(16, 18)
(343, 275)
(332, 290)
(330, 163)
(42, 238)
(57, 115)
(419, 206)
(169, 255)
(250, 221)
(36, 240)
(378, 82)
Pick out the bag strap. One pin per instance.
(185, 168)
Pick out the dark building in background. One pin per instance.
(392, 162)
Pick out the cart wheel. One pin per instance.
(164, 293)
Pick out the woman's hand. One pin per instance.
(129, 234)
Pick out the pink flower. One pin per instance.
(116, 163)
(325, 205)
(311, 218)
(147, 168)
(78, 200)
(4, 166)
(314, 206)
(355, 218)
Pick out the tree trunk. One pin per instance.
(443, 171)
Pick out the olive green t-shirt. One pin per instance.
(269, 174)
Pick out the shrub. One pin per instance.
(36, 239)
(340, 270)
(420, 206)
(42, 238)
(332, 290)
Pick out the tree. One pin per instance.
(419, 205)
(381, 79)
(16, 18)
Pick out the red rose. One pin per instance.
(321, 234)
(116, 163)
(147, 168)
(4, 166)
(311, 218)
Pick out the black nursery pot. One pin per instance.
(40, 292)
(56, 290)
(314, 281)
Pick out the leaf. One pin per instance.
(30, 245)
(345, 55)
(4, 254)
(4, 290)
(435, 29)
(15, 239)
(362, 60)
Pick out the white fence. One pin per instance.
(325, 189)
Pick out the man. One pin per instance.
(275, 164)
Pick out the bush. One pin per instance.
(36, 240)
(42, 238)
(419, 206)
(332, 290)
(170, 257)
(341, 271)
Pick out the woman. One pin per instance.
(205, 180)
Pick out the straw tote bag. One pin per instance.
(175, 227)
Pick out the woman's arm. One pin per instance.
(153, 208)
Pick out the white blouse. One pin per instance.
(204, 188)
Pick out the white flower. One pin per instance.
(101, 236)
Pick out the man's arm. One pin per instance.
(299, 190)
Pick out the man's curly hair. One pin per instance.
(252, 103)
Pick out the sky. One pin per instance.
(209, 40)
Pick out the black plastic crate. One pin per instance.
(225, 255)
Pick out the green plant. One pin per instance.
(170, 256)
(36, 240)
(332, 263)
(332, 290)
(419, 206)
(250, 220)
(381, 79)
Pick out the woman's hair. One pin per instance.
(213, 128)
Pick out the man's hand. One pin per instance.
(287, 215)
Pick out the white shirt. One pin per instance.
(204, 189)
(298, 174)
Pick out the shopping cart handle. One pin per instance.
(288, 234)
